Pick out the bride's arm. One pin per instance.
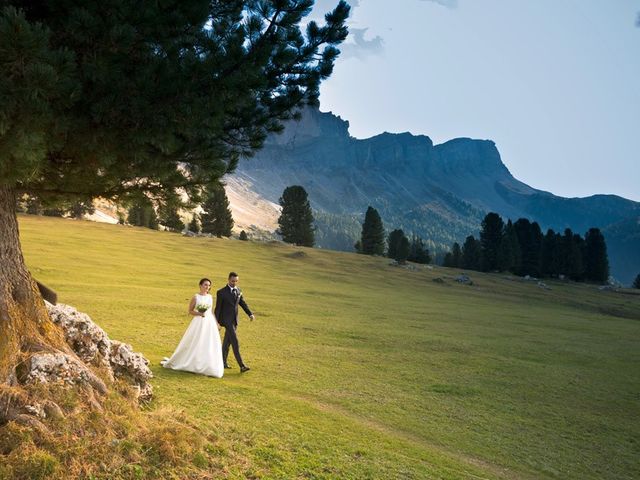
(192, 306)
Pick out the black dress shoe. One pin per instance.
(244, 369)
(226, 365)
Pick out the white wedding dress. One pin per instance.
(200, 350)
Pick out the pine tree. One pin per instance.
(142, 214)
(530, 240)
(564, 247)
(490, 238)
(135, 214)
(509, 251)
(169, 217)
(194, 224)
(117, 98)
(216, 218)
(636, 282)
(296, 219)
(393, 242)
(471, 254)
(398, 246)
(418, 251)
(448, 260)
(596, 267)
(548, 255)
(575, 258)
(456, 255)
(79, 209)
(557, 259)
(152, 218)
(404, 249)
(372, 237)
(243, 236)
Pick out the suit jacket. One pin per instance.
(226, 310)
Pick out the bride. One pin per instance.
(200, 350)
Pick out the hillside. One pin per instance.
(365, 370)
(440, 192)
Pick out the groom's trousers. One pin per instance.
(231, 338)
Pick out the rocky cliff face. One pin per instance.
(440, 192)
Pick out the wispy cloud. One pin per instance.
(445, 3)
(359, 47)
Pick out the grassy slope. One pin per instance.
(363, 370)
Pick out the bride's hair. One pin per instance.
(205, 280)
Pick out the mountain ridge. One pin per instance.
(437, 191)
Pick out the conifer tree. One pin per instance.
(471, 254)
(122, 98)
(575, 257)
(448, 260)
(509, 252)
(169, 217)
(548, 254)
(557, 259)
(243, 236)
(636, 282)
(372, 237)
(142, 214)
(393, 242)
(530, 240)
(216, 217)
(404, 249)
(596, 262)
(296, 219)
(456, 255)
(79, 209)
(194, 224)
(398, 246)
(418, 251)
(491, 233)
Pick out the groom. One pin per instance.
(227, 300)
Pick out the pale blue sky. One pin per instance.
(555, 83)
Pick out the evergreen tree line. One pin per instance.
(399, 247)
(215, 219)
(66, 208)
(522, 249)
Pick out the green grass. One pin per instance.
(364, 370)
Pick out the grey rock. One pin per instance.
(133, 366)
(93, 346)
(59, 368)
(464, 279)
(607, 288)
(87, 340)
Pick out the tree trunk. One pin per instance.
(25, 326)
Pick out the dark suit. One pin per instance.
(226, 312)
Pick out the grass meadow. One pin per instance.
(363, 370)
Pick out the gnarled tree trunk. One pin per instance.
(25, 326)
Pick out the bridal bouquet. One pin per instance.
(202, 308)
